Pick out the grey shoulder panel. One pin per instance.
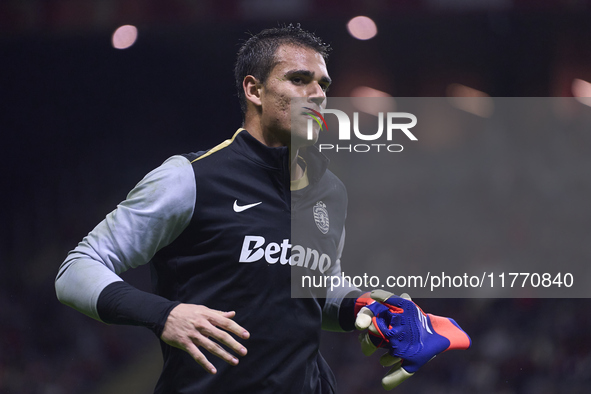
(153, 215)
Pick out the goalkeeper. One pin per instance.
(215, 228)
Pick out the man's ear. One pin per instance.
(252, 90)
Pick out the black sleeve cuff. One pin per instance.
(347, 311)
(121, 303)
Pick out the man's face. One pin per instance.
(299, 73)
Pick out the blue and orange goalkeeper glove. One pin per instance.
(411, 337)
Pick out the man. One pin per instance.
(216, 227)
(199, 219)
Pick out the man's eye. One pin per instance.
(297, 80)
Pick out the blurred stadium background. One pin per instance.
(82, 122)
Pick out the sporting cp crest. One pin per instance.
(321, 217)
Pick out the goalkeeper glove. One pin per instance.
(412, 337)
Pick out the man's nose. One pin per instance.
(318, 95)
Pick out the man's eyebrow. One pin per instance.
(308, 73)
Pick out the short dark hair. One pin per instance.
(256, 57)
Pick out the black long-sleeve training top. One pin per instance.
(225, 228)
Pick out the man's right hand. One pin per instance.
(411, 336)
(189, 326)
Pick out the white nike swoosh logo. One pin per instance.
(240, 208)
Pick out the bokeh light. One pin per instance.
(470, 100)
(362, 28)
(581, 91)
(124, 37)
